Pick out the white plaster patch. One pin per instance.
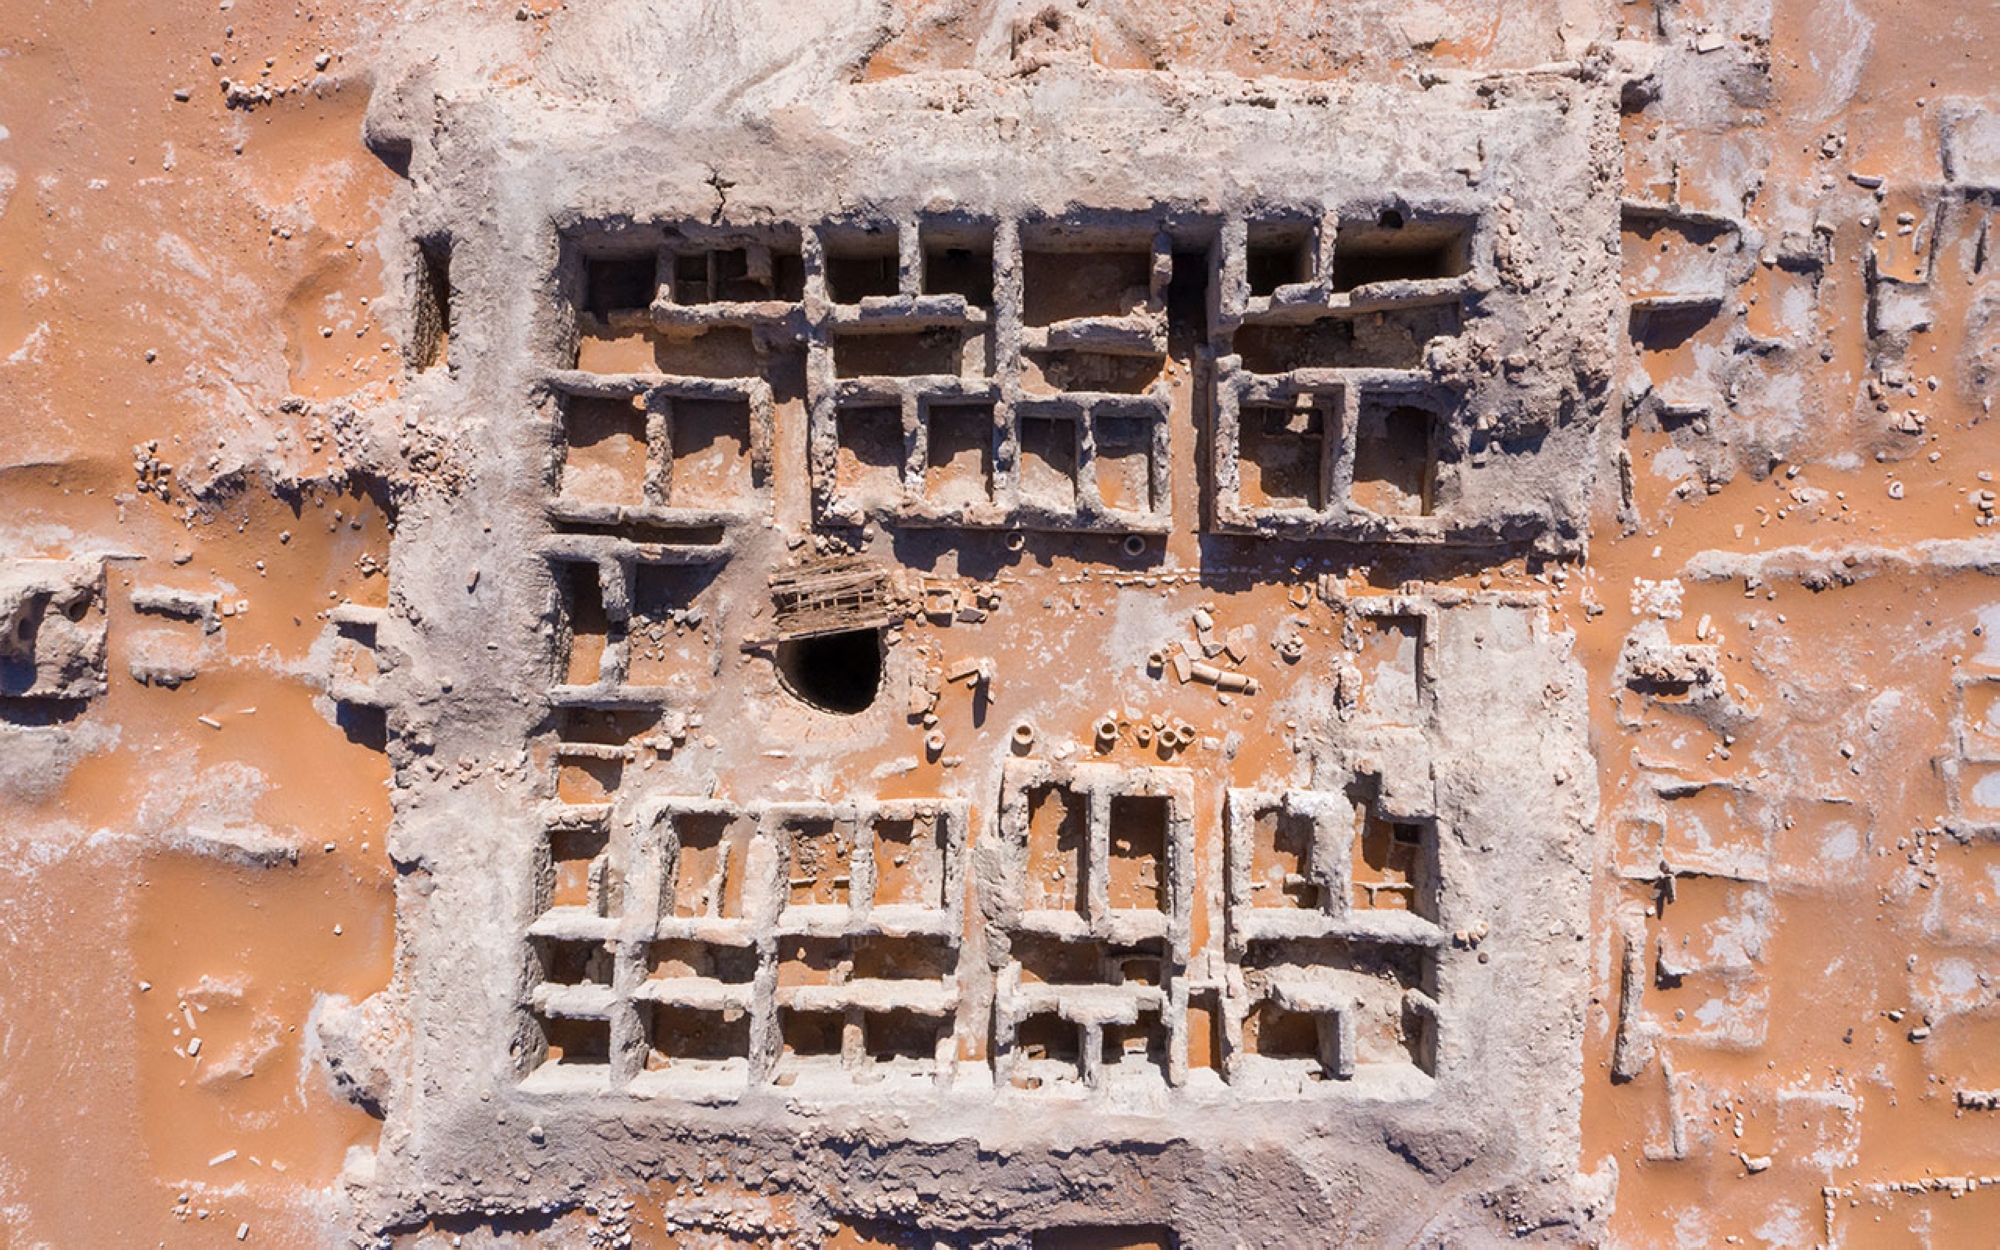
(1661, 599)
(1841, 845)
(1986, 790)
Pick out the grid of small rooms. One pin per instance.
(1003, 374)
(987, 374)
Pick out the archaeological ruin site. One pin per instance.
(999, 624)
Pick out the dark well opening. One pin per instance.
(1277, 254)
(861, 263)
(1187, 296)
(620, 283)
(1392, 251)
(838, 673)
(959, 263)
